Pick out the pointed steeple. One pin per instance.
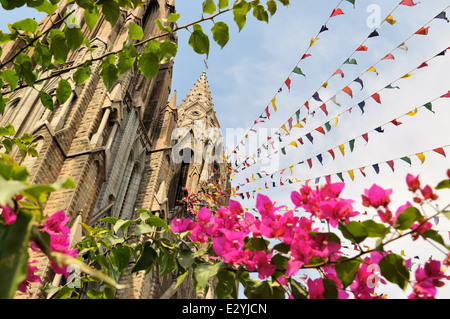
(200, 92)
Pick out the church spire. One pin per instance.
(200, 93)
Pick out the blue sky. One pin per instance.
(247, 73)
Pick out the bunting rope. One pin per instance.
(423, 30)
(362, 104)
(336, 11)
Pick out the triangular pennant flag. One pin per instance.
(336, 12)
(442, 15)
(362, 48)
(358, 80)
(423, 65)
(376, 168)
(316, 97)
(390, 20)
(284, 128)
(376, 97)
(339, 71)
(328, 126)
(389, 57)
(391, 87)
(341, 148)
(372, 69)
(391, 164)
(352, 145)
(348, 91)
(325, 85)
(350, 61)
(423, 31)
(340, 176)
(319, 157)
(408, 3)
(291, 169)
(413, 112)
(336, 120)
(290, 123)
(332, 153)
(323, 29)
(403, 47)
(374, 34)
(311, 43)
(283, 150)
(366, 137)
(395, 122)
(379, 130)
(306, 55)
(267, 112)
(351, 174)
(298, 71)
(361, 106)
(440, 150)
(273, 103)
(352, 2)
(309, 162)
(421, 157)
(446, 95)
(320, 130)
(310, 138)
(323, 107)
(288, 84)
(333, 99)
(361, 169)
(407, 160)
(294, 143)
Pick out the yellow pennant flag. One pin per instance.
(421, 157)
(406, 76)
(336, 119)
(298, 125)
(313, 41)
(325, 85)
(285, 129)
(259, 188)
(297, 180)
(341, 147)
(372, 69)
(253, 177)
(351, 174)
(412, 113)
(232, 176)
(294, 143)
(273, 104)
(391, 20)
(291, 168)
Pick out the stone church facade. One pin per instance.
(126, 148)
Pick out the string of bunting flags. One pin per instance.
(326, 127)
(289, 124)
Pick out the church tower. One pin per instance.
(120, 145)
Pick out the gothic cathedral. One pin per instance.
(126, 148)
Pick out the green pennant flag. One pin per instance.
(352, 2)
(429, 106)
(297, 114)
(259, 175)
(289, 181)
(406, 159)
(298, 71)
(328, 126)
(340, 176)
(352, 144)
(350, 61)
(283, 150)
(391, 87)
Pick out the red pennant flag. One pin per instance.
(332, 153)
(388, 57)
(309, 162)
(320, 130)
(423, 31)
(336, 12)
(424, 64)
(288, 83)
(290, 123)
(366, 137)
(305, 56)
(300, 140)
(266, 186)
(440, 150)
(362, 48)
(396, 123)
(267, 112)
(376, 97)
(307, 106)
(348, 91)
(391, 164)
(324, 109)
(339, 72)
(361, 169)
(409, 3)
(446, 95)
(256, 122)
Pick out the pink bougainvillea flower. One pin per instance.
(180, 225)
(421, 226)
(8, 215)
(56, 223)
(60, 243)
(315, 289)
(427, 279)
(265, 206)
(204, 216)
(31, 277)
(235, 207)
(229, 246)
(330, 191)
(412, 182)
(260, 261)
(427, 193)
(337, 210)
(376, 196)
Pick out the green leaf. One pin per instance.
(393, 268)
(14, 240)
(204, 271)
(180, 278)
(199, 41)
(46, 100)
(167, 51)
(109, 75)
(166, 261)
(44, 6)
(58, 45)
(74, 38)
(173, 18)
(223, 4)
(209, 6)
(146, 259)
(8, 189)
(282, 247)
(162, 27)
(143, 229)
(443, 184)
(299, 291)
(434, 235)
(408, 217)
(257, 243)
(135, 31)
(91, 17)
(267, 290)
(81, 75)
(375, 229)
(346, 270)
(122, 255)
(284, 2)
(24, 69)
(110, 10)
(221, 33)
(42, 55)
(260, 13)
(226, 285)
(63, 91)
(330, 289)
(11, 77)
(28, 25)
(185, 258)
(148, 64)
(121, 224)
(271, 7)
(240, 9)
(110, 220)
(354, 231)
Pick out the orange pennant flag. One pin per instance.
(440, 150)
(423, 31)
